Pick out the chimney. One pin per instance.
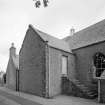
(12, 50)
(72, 31)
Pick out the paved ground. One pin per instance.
(17, 99)
(5, 101)
(26, 99)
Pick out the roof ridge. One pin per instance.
(92, 26)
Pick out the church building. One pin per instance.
(48, 66)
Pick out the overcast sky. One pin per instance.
(56, 19)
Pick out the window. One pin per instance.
(99, 63)
(64, 65)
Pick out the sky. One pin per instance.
(57, 20)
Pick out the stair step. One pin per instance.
(93, 95)
(80, 85)
(83, 87)
(90, 93)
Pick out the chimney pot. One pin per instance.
(12, 50)
(72, 31)
(12, 44)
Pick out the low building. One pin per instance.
(12, 69)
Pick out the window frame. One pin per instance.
(64, 74)
(98, 63)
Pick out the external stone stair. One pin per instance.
(78, 89)
(86, 90)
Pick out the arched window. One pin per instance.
(99, 63)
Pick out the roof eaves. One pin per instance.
(79, 47)
(68, 51)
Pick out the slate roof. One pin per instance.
(52, 41)
(16, 61)
(90, 35)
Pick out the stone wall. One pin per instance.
(84, 62)
(55, 70)
(32, 64)
(11, 75)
